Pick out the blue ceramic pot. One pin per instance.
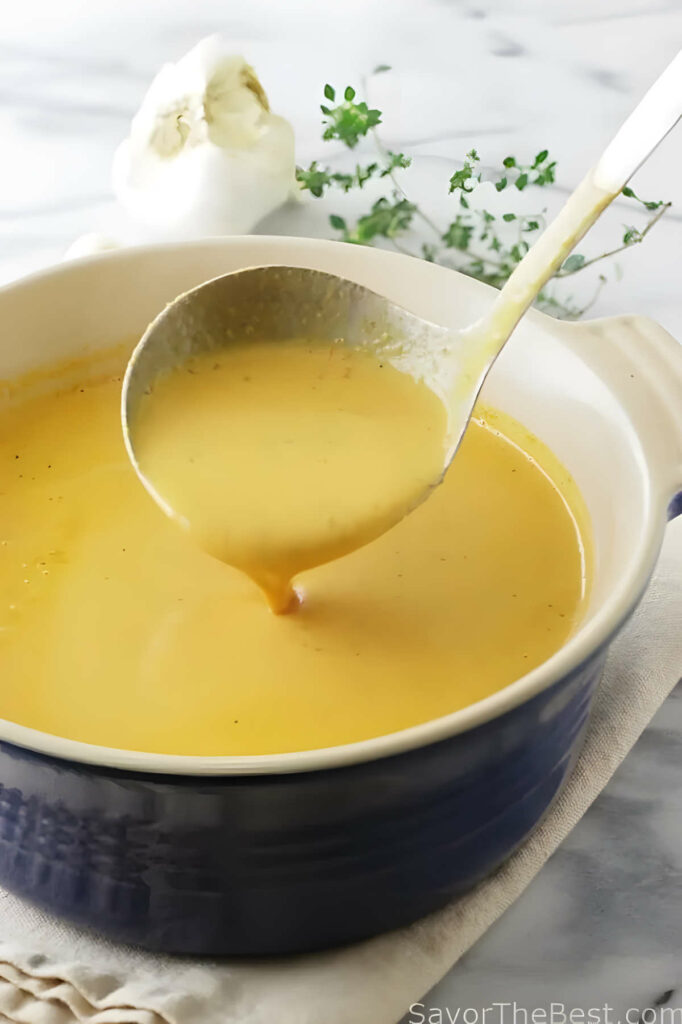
(298, 851)
(282, 863)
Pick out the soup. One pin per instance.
(279, 456)
(116, 629)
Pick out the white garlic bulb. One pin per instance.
(205, 156)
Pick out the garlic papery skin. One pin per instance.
(205, 155)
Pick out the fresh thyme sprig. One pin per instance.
(477, 242)
(348, 121)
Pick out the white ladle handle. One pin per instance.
(648, 124)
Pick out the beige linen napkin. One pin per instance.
(52, 973)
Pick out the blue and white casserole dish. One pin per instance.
(298, 851)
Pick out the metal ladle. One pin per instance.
(278, 302)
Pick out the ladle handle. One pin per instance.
(648, 124)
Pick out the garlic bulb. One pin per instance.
(205, 155)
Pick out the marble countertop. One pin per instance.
(602, 923)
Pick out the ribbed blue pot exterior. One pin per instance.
(290, 862)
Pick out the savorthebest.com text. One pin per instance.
(555, 1013)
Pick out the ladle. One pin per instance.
(277, 302)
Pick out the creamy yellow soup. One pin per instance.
(116, 629)
(279, 456)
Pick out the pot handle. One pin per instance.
(643, 364)
(665, 382)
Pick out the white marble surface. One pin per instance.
(603, 921)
